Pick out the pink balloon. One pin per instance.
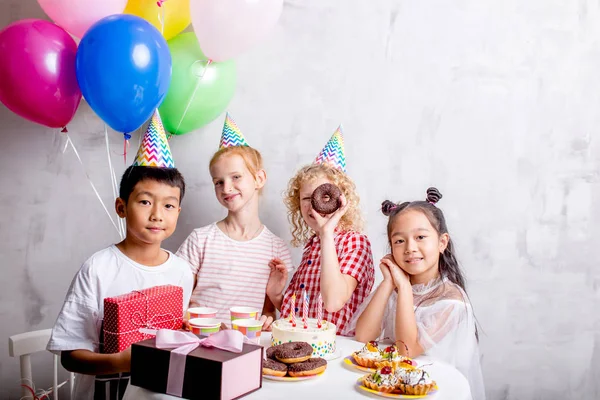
(76, 16)
(226, 28)
(37, 72)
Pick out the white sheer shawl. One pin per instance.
(446, 327)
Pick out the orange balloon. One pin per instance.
(171, 18)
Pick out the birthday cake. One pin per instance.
(321, 339)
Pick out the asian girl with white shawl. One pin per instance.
(421, 303)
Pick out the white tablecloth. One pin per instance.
(338, 381)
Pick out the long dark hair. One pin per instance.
(448, 265)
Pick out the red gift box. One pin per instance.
(158, 307)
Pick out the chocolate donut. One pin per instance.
(326, 198)
(312, 366)
(274, 368)
(293, 352)
(271, 352)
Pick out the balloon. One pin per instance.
(37, 72)
(123, 69)
(215, 84)
(226, 28)
(76, 16)
(174, 13)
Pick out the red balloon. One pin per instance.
(37, 72)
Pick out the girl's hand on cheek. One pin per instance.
(387, 276)
(399, 276)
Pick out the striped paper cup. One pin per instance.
(202, 312)
(243, 313)
(204, 326)
(251, 328)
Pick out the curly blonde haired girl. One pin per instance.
(337, 263)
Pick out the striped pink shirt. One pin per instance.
(231, 273)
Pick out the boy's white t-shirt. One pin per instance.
(229, 272)
(107, 273)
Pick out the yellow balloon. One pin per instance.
(174, 13)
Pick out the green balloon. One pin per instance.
(200, 90)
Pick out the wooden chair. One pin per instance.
(25, 344)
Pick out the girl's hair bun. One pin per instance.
(388, 207)
(433, 195)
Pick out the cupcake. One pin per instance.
(413, 381)
(368, 355)
(382, 380)
(390, 356)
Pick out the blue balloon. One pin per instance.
(124, 70)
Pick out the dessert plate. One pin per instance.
(291, 378)
(352, 362)
(394, 395)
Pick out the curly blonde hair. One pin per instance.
(351, 220)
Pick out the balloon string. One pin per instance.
(65, 148)
(121, 221)
(70, 142)
(38, 394)
(110, 167)
(161, 20)
(113, 180)
(43, 396)
(126, 137)
(187, 107)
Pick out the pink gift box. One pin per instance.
(209, 373)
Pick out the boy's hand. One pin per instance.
(124, 360)
(277, 278)
(267, 322)
(327, 224)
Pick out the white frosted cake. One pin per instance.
(321, 339)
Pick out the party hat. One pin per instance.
(231, 136)
(333, 152)
(154, 150)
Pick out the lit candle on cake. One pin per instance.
(319, 310)
(305, 309)
(293, 311)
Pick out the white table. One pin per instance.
(338, 381)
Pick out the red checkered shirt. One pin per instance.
(355, 258)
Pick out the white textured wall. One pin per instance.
(495, 102)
